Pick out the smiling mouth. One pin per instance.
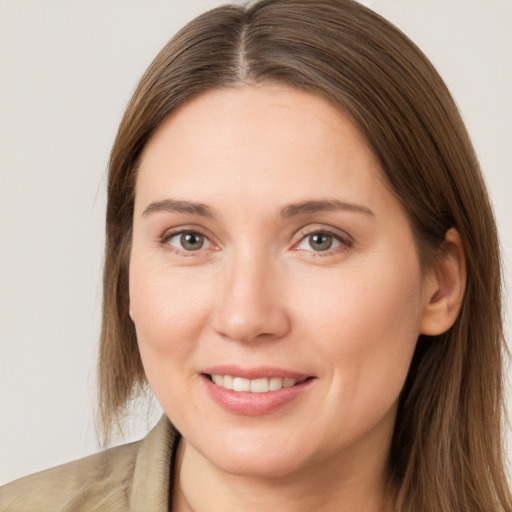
(264, 385)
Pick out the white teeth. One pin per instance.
(254, 386)
(288, 383)
(275, 383)
(240, 384)
(228, 382)
(259, 386)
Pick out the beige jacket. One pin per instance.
(129, 478)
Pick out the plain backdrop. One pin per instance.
(67, 70)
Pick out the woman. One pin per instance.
(302, 264)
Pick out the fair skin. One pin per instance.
(266, 245)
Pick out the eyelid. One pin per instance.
(346, 241)
(172, 232)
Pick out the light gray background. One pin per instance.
(67, 69)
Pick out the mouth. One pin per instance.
(261, 385)
(254, 391)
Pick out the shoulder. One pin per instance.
(104, 481)
(103, 476)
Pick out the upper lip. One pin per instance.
(259, 372)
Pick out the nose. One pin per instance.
(251, 306)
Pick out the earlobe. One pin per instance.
(444, 288)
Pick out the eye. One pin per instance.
(188, 241)
(322, 241)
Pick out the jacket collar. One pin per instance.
(152, 477)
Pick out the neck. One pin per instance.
(338, 484)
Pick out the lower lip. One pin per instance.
(254, 404)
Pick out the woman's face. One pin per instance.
(270, 257)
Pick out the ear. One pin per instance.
(444, 287)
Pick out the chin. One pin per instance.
(259, 458)
(258, 467)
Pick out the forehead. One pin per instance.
(263, 142)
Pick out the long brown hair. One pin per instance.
(446, 453)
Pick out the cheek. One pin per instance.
(169, 310)
(367, 326)
(168, 307)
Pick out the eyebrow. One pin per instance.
(291, 210)
(177, 206)
(309, 207)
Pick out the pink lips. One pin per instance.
(253, 373)
(254, 404)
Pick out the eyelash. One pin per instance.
(345, 241)
(169, 235)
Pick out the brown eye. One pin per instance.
(320, 241)
(323, 241)
(189, 241)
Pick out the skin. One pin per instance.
(258, 293)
